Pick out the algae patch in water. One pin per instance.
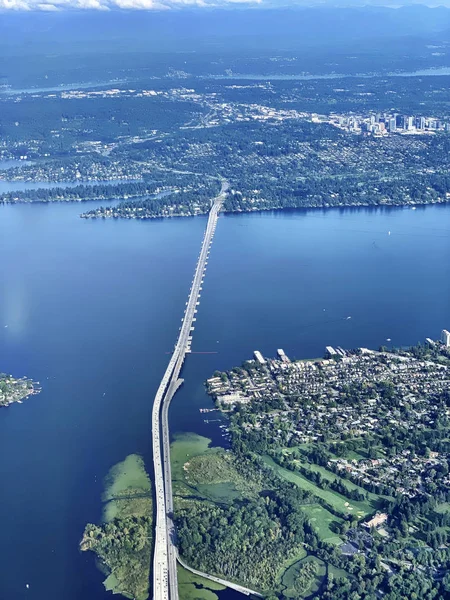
(193, 587)
(123, 541)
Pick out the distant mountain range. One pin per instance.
(355, 3)
(323, 26)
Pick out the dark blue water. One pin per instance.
(10, 163)
(92, 307)
(60, 88)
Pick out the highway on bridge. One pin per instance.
(165, 583)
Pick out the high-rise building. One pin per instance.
(392, 124)
(400, 121)
(445, 338)
(420, 122)
(409, 122)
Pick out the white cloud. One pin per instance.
(16, 4)
(138, 4)
(53, 5)
(92, 4)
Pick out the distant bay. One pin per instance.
(432, 71)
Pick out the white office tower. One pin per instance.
(409, 123)
(445, 338)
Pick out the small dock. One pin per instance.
(259, 357)
(282, 355)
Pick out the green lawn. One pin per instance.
(353, 455)
(359, 454)
(326, 474)
(322, 522)
(339, 503)
(338, 573)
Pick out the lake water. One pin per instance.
(433, 71)
(64, 87)
(93, 306)
(235, 76)
(13, 162)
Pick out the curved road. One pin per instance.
(165, 583)
(224, 582)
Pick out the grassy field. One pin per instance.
(353, 455)
(338, 573)
(339, 503)
(374, 499)
(322, 522)
(192, 587)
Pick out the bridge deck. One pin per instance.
(165, 583)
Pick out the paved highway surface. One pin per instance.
(165, 583)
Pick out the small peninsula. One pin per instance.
(337, 481)
(16, 390)
(123, 541)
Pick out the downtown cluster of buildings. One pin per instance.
(384, 124)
